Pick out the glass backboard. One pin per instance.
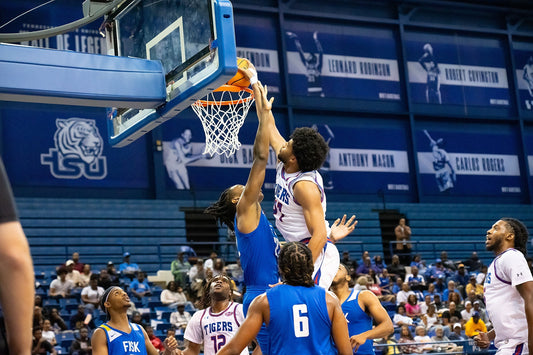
(193, 39)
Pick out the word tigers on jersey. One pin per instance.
(218, 327)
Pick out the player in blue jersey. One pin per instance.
(300, 317)
(120, 337)
(361, 309)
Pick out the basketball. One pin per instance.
(239, 79)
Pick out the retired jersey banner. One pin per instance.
(67, 147)
(523, 56)
(342, 62)
(264, 53)
(456, 70)
(461, 163)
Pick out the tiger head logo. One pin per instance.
(78, 137)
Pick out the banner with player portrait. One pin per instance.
(457, 161)
(256, 40)
(523, 56)
(456, 70)
(343, 62)
(60, 146)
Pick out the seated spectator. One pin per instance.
(40, 345)
(397, 287)
(364, 267)
(38, 318)
(73, 275)
(218, 267)
(480, 278)
(401, 296)
(421, 336)
(440, 337)
(473, 286)
(431, 291)
(76, 258)
(419, 263)
(346, 260)
(436, 271)
(105, 281)
(81, 344)
(461, 278)
(407, 338)
(457, 333)
(211, 261)
(474, 326)
(180, 268)
(447, 263)
(128, 268)
(180, 318)
(136, 317)
(80, 319)
(236, 273)
(451, 288)
(85, 275)
(396, 270)
(48, 332)
(466, 313)
(378, 264)
(156, 342)
(385, 282)
(473, 263)
(454, 297)
(361, 283)
(439, 305)
(478, 307)
(38, 301)
(415, 280)
(140, 287)
(412, 309)
(400, 318)
(58, 324)
(440, 286)
(113, 273)
(91, 294)
(173, 295)
(363, 256)
(197, 274)
(451, 312)
(60, 287)
(425, 305)
(431, 318)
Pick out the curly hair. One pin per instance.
(205, 301)
(223, 210)
(520, 233)
(309, 148)
(295, 263)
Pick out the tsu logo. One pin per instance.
(77, 152)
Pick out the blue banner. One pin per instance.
(459, 162)
(456, 70)
(67, 147)
(523, 56)
(262, 53)
(342, 62)
(528, 137)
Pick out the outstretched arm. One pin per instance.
(526, 291)
(341, 229)
(339, 327)
(320, 51)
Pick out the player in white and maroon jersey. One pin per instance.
(508, 290)
(217, 323)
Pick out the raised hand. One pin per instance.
(340, 228)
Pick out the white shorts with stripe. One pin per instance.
(326, 266)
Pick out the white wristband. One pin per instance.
(254, 78)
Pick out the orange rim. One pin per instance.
(231, 88)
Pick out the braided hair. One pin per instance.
(309, 148)
(224, 210)
(205, 300)
(520, 233)
(295, 262)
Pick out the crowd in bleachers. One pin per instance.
(439, 301)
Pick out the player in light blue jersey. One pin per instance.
(120, 337)
(300, 317)
(361, 309)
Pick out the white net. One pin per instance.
(222, 114)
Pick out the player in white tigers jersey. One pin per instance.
(215, 325)
(508, 290)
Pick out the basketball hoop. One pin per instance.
(222, 113)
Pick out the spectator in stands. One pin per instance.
(454, 297)
(461, 278)
(80, 320)
(365, 266)
(474, 287)
(472, 297)
(72, 274)
(401, 296)
(128, 268)
(113, 273)
(480, 278)
(422, 337)
(105, 281)
(385, 282)
(478, 307)
(378, 264)
(48, 332)
(451, 289)
(218, 267)
(180, 318)
(82, 344)
(211, 261)
(38, 317)
(41, 345)
(236, 273)
(39, 302)
(179, 268)
(58, 323)
(425, 305)
(431, 291)
(440, 286)
(137, 318)
(90, 295)
(140, 287)
(407, 338)
(396, 269)
(403, 245)
(439, 305)
(400, 318)
(431, 318)
(466, 313)
(85, 275)
(61, 287)
(447, 263)
(346, 260)
(397, 287)
(451, 312)
(76, 258)
(417, 261)
(440, 337)
(436, 271)
(173, 295)
(156, 342)
(457, 333)
(473, 263)
(197, 275)
(412, 308)
(474, 326)
(415, 280)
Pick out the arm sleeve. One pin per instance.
(8, 211)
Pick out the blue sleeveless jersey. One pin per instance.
(358, 321)
(299, 321)
(121, 343)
